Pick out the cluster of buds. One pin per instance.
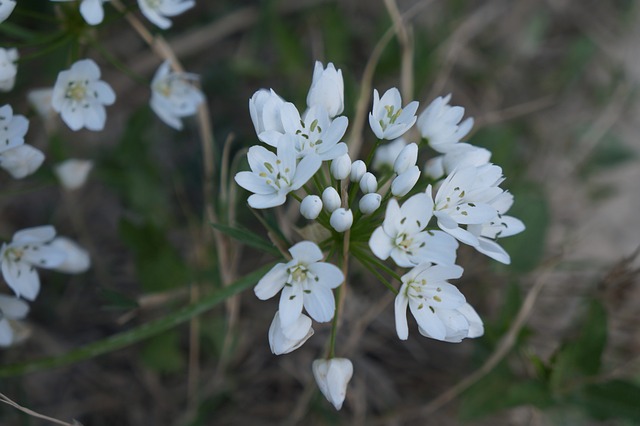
(385, 206)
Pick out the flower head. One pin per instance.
(174, 96)
(440, 124)
(273, 176)
(304, 281)
(29, 248)
(80, 96)
(388, 120)
(8, 68)
(404, 237)
(157, 10)
(21, 161)
(332, 376)
(327, 89)
(283, 340)
(11, 309)
(13, 128)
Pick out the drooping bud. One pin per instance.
(332, 377)
(407, 158)
(311, 206)
(368, 183)
(370, 202)
(288, 339)
(404, 182)
(341, 167)
(331, 199)
(341, 219)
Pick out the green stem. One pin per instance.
(137, 334)
(375, 272)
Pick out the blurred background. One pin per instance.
(552, 85)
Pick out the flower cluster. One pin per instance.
(386, 207)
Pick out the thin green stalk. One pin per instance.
(376, 262)
(375, 272)
(137, 334)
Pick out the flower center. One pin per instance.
(299, 274)
(403, 242)
(13, 254)
(308, 138)
(276, 178)
(77, 90)
(153, 4)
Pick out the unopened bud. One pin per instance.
(368, 183)
(330, 199)
(332, 376)
(341, 167)
(369, 203)
(405, 182)
(407, 158)
(358, 169)
(311, 206)
(341, 219)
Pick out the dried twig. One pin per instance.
(8, 401)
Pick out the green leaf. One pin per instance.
(610, 400)
(581, 357)
(136, 334)
(247, 237)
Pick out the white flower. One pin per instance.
(304, 281)
(341, 167)
(21, 161)
(288, 339)
(40, 101)
(315, 134)
(273, 176)
(370, 202)
(6, 7)
(73, 173)
(440, 124)
(29, 248)
(385, 155)
(388, 120)
(11, 309)
(404, 237)
(331, 199)
(368, 183)
(403, 183)
(499, 227)
(460, 323)
(460, 155)
(327, 89)
(13, 128)
(332, 376)
(264, 107)
(77, 259)
(311, 206)
(358, 169)
(430, 298)
(406, 159)
(341, 219)
(80, 96)
(157, 10)
(91, 10)
(174, 96)
(8, 68)
(464, 199)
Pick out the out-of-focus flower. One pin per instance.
(332, 376)
(80, 96)
(29, 249)
(173, 95)
(304, 280)
(8, 68)
(73, 173)
(440, 124)
(40, 101)
(21, 161)
(157, 11)
(273, 176)
(283, 340)
(388, 120)
(461, 155)
(13, 128)
(385, 155)
(11, 309)
(91, 10)
(327, 89)
(77, 259)
(6, 7)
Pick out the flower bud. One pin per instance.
(341, 167)
(288, 339)
(327, 89)
(311, 206)
(403, 183)
(73, 173)
(358, 169)
(21, 161)
(386, 155)
(370, 202)
(368, 183)
(77, 259)
(8, 68)
(264, 107)
(341, 219)
(407, 158)
(332, 377)
(331, 199)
